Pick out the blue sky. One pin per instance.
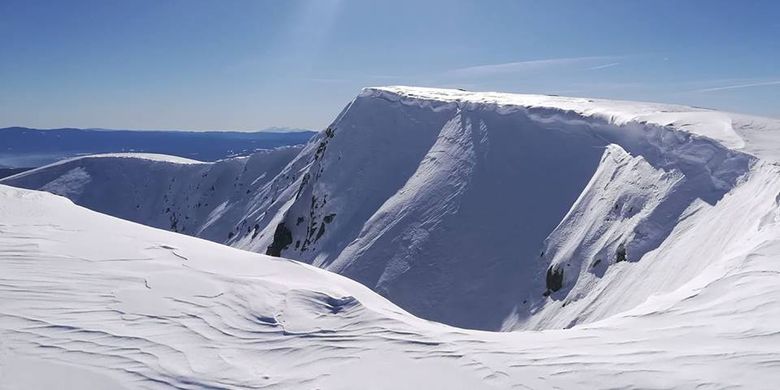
(247, 65)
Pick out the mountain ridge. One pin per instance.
(443, 200)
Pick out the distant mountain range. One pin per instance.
(22, 147)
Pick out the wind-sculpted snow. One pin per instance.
(480, 210)
(443, 203)
(94, 302)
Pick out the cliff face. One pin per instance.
(457, 207)
(481, 210)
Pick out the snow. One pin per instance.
(430, 191)
(618, 244)
(26, 373)
(709, 123)
(170, 193)
(71, 184)
(138, 156)
(98, 302)
(455, 205)
(147, 156)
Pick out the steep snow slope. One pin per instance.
(496, 211)
(94, 302)
(187, 196)
(443, 200)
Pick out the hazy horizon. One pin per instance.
(265, 130)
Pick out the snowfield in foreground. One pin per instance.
(90, 301)
(627, 245)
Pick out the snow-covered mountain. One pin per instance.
(89, 301)
(172, 193)
(480, 210)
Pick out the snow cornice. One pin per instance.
(726, 128)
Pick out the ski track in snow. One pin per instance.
(691, 195)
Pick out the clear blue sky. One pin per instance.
(244, 65)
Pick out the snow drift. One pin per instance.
(92, 302)
(480, 210)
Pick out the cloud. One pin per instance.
(605, 66)
(740, 86)
(524, 66)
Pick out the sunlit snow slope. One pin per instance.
(485, 210)
(198, 198)
(89, 301)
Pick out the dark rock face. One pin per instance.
(554, 279)
(620, 254)
(336, 305)
(282, 239)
